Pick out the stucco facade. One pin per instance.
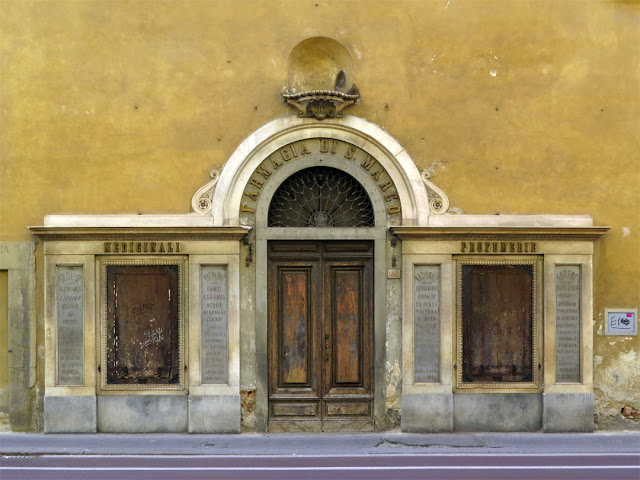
(515, 109)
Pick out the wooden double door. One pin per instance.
(320, 336)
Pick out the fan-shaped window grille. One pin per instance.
(321, 197)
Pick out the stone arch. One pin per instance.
(236, 175)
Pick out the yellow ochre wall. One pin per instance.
(520, 107)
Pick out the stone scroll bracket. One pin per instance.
(202, 200)
(438, 200)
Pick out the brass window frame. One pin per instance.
(103, 262)
(535, 385)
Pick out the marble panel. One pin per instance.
(213, 299)
(567, 323)
(70, 351)
(426, 318)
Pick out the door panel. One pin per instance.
(497, 318)
(294, 327)
(320, 336)
(346, 323)
(292, 342)
(142, 324)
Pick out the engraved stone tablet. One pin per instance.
(567, 323)
(213, 298)
(70, 363)
(426, 324)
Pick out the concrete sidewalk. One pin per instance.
(317, 444)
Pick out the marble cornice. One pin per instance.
(495, 233)
(140, 233)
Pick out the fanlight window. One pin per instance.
(321, 197)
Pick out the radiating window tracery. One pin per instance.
(321, 197)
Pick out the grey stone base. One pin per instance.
(568, 412)
(214, 414)
(427, 413)
(497, 412)
(19, 396)
(142, 413)
(69, 414)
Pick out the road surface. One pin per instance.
(320, 467)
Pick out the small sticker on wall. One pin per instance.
(621, 321)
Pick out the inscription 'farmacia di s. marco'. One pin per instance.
(312, 148)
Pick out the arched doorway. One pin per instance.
(320, 320)
(248, 187)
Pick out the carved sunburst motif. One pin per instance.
(321, 197)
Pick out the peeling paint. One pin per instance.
(617, 384)
(626, 231)
(597, 360)
(432, 168)
(393, 394)
(629, 356)
(248, 403)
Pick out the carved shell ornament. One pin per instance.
(321, 104)
(438, 200)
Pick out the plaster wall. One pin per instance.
(528, 107)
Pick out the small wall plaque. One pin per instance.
(621, 321)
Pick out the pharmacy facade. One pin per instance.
(323, 267)
(205, 226)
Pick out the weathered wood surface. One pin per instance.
(142, 324)
(320, 336)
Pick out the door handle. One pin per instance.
(326, 348)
